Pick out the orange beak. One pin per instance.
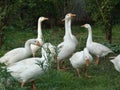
(87, 62)
(45, 18)
(72, 15)
(38, 44)
(82, 26)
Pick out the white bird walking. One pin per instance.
(81, 59)
(68, 46)
(19, 53)
(27, 70)
(95, 48)
(39, 36)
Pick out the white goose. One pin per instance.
(68, 46)
(80, 59)
(116, 62)
(95, 48)
(39, 37)
(19, 53)
(27, 70)
(68, 27)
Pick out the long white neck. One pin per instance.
(27, 46)
(70, 33)
(39, 30)
(69, 27)
(67, 34)
(89, 39)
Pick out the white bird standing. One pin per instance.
(68, 46)
(116, 62)
(68, 27)
(19, 53)
(95, 48)
(27, 70)
(81, 59)
(39, 36)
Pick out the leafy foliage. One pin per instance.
(115, 48)
(102, 14)
(99, 10)
(25, 13)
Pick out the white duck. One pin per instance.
(68, 46)
(27, 70)
(116, 62)
(19, 53)
(95, 48)
(39, 37)
(80, 59)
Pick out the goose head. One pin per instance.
(86, 26)
(42, 19)
(69, 16)
(35, 42)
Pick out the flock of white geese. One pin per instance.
(25, 69)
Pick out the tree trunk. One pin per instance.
(108, 29)
(110, 34)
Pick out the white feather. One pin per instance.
(28, 70)
(116, 62)
(39, 37)
(18, 53)
(78, 59)
(94, 47)
(68, 46)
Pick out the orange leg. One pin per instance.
(78, 72)
(97, 60)
(63, 65)
(58, 66)
(87, 62)
(85, 69)
(33, 85)
(22, 84)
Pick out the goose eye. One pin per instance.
(67, 15)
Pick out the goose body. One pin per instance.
(80, 59)
(65, 49)
(19, 53)
(39, 36)
(95, 48)
(116, 62)
(68, 46)
(27, 70)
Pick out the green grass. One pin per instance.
(105, 77)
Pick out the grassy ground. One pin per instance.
(105, 77)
